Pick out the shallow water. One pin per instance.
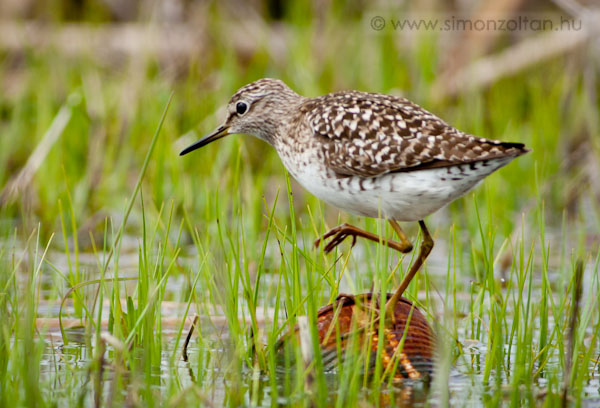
(68, 364)
(210, 360)
(64, 369)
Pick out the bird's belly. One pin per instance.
(403, 196)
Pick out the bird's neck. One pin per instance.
(276, 129)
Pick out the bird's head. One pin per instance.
(256, 109)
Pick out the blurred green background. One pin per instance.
(113, 64)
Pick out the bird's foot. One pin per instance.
(339, 234)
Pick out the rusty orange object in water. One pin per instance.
(336, 329)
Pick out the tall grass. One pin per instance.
(119, 225)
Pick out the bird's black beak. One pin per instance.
(221, 131)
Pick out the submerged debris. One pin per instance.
(349, 328)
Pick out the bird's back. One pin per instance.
(367, 134)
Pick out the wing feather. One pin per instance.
(365, 134)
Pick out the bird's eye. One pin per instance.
(241, 108)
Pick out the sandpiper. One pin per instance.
(369, 154)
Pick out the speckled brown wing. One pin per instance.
(366, 134)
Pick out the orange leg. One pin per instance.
(343, 231)
(424, 251)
